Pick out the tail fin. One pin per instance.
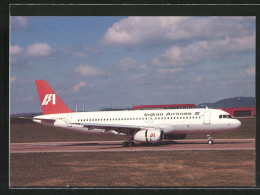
(50, 101)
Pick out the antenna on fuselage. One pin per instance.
(76, 106)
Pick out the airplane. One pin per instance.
(143, 126)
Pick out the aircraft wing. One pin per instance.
(116, 127)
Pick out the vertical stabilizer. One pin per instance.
(50, 101)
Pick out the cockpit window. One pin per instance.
(225, 116)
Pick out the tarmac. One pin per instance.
(116, 146)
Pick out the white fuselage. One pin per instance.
(171, 121)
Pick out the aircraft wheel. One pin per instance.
(133, 144)
(210, 142)
(125, 144)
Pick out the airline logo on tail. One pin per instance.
(50, 101)
(48, 98)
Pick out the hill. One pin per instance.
(236, 102)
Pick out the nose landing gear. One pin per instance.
(210, 141)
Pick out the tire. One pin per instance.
(125, 144)
(210, 142)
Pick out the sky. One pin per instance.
(124, 61)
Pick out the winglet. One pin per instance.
(50, 101)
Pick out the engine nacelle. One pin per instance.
(149, 136)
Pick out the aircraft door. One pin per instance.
(206, 119)
(68, 120)
(148, 119)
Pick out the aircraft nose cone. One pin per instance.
(237, 124)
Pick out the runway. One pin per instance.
(116, 146)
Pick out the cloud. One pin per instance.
(15, 49)
(22, 55)
(38, 50)
(126, 64)
(204, 50)
(78, 52)
(158, 94)
(28, 98)
(198, 79)
(168, 70)
(87, 70)
(19, 22)
(77, 87)
(20, 81)
(12, 79)
(250, 71)
(141, 30)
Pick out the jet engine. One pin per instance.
(149, 136)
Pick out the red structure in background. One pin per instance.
(240, 112)
(167, 106)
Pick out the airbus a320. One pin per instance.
(143, 126)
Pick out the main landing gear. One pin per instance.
(128, 143)
(210, 141)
